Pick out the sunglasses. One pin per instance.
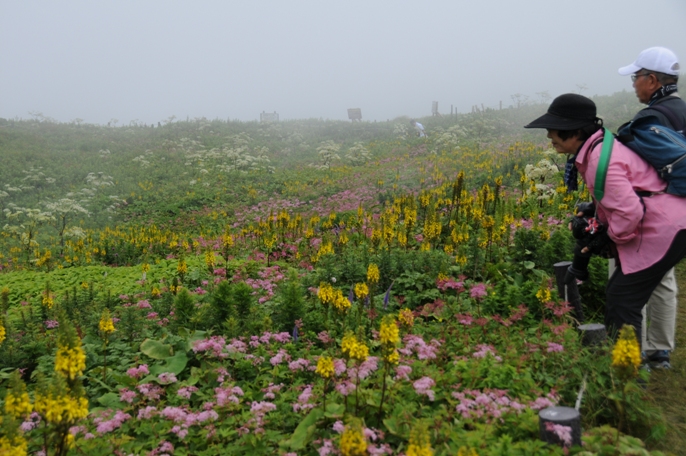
(634, 77)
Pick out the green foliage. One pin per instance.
(290, 306)
(184, 309)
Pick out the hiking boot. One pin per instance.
(659, 360)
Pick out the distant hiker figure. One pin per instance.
(419, 127)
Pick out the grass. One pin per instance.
(668, 388)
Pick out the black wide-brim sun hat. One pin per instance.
(567, 112)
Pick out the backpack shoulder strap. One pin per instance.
(669, 114)
(601, 171)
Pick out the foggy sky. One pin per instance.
(147, 60)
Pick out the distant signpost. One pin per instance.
(355, 114)
(269, 116)
(434, 108)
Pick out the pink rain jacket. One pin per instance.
(642, 240)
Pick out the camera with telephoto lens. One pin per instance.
(590, 234)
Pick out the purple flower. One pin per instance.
(402, 372)
(423, 387)
(138, 372)
(478, 291)
(345, 387)
(553, 347)
(387, 296)
(166, 378)
(115, 423)
(564, 433)
(126, 395)
(186, 391)
(339, 427)
(51, 324)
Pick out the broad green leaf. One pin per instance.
(303, 433)
(174, 364)
(110, 400)
(334, 410)
(156, 349)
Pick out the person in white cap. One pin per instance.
(419, 127)
(655, 74)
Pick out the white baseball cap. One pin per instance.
(657, 59)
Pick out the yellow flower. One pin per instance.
(228, 241)
(326, 249)
(15, 446)
(70, 362)
(182, 267)
(18, 405)
(106, 324)
(406, 318)
(48, 301)
(361, 290)
(543, 294)
(626, 355)
(359, 352)
(3, 333)
(393, 357)
(353, 442)
(348, 342)
(373, 273)
(145, 267)
(209, 259)
(61, 408)
(326, 293)
(389, 333)
(17, 402)
(155, 293)
(464, 451)
(420, 443)
(325, 366)
(341, 303)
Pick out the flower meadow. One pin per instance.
(400, 302)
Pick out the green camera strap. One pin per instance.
(601, 172)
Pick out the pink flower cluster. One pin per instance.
(478, 291)
(280, 357)
(269, 278)
(370, 365)
(214, 345)
(186, 391)
(487, 405)
(271, 389)
(126, 395)
(299, 364)
(402, 372)
(166, 378)
(112, 424)
(422, 349)
(303, 400)
(150, 391)
(345, 387)
(553, 347)
(423, 387)
(33, 421)
(484, 350)
(564, 433)
(138, 372)
(226, 395)
(450, 284)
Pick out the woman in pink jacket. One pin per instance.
(647, 226)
